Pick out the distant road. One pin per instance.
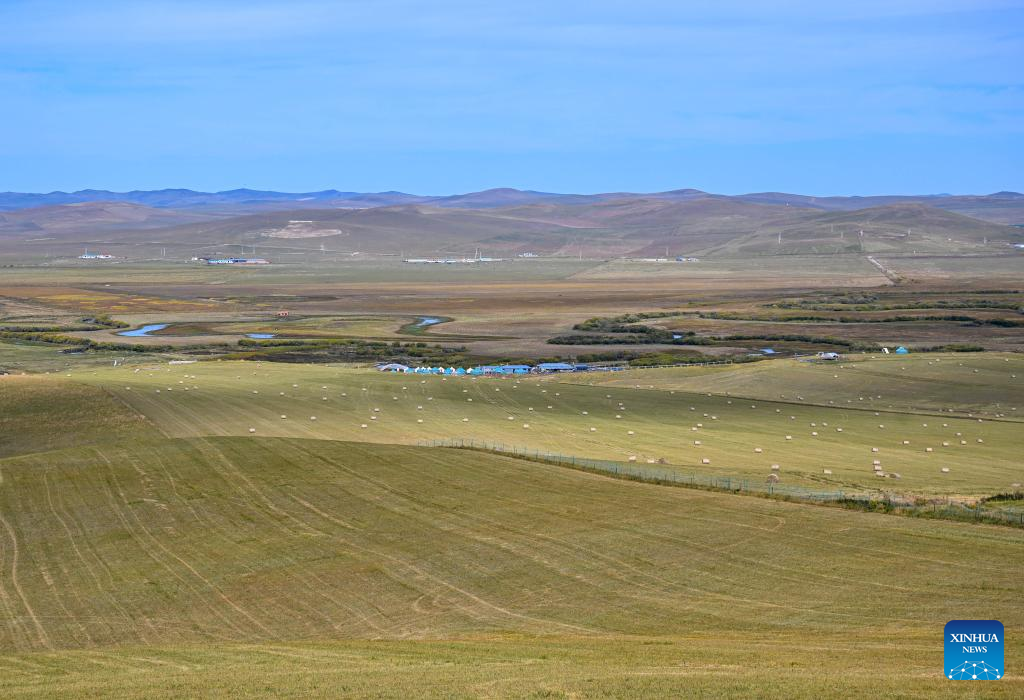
(893, 277)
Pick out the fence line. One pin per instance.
(669, 475)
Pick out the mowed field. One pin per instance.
(244, 566)
(642, 417)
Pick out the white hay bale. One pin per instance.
(906, 442)
(373, 417)
(363, 425)
(593, 430)
(252, 430)
(283, 416)
(814, 433)
(826, 472)
(944, 470)
(757, 450)
(585, 413)
(323, 398)
(696, 442)
(312, 417)
(526, 425)
(511, 417)
(650, 461)
(928, 449)
(880, 474)
(881, 425)
(980, 440)
(705, 460)
(963, 442)
(775, 467)
(814, 425)
(945, 443)
(839, 430)
(876, 462)
(617, 415)
(419, 420)
(632, 458)
(789, 437)
(874, 449)
(630, 432)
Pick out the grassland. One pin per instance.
(264, 566)
(617, 422)
(231, 528)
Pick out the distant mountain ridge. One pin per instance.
(1000, 207)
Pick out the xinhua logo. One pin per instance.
(974, 650)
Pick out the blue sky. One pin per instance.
(448, 96)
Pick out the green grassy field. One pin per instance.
(618, 422)
(983, 385)
(290, 567)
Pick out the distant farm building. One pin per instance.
(94, 256)
(237, 261)
(555, 367)
(394, 367)
(828, 355)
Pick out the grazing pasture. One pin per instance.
(636, 419)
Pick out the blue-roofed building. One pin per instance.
(767, 351)
(514, 369)
(902, 351)
(555, 367)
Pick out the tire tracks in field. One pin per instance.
(154, 544)
(318, 587)
(44, 638)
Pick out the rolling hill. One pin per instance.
(1000, 207)
(150, 569)
(72, 219)
(691, 223)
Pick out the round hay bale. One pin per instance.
(944, 470)
(906, 442)
(526, 425)
(283, 416)
(419, 420)
(789, 437)
(876, 462)
(252, 430)
(630, 432)
(757, 450)
(312, 417)
(826, 472)
(775, 467)
(593, 430)
(705, 460)
(696, 442)
(363, 425)
(814, 433)
(632, 458)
